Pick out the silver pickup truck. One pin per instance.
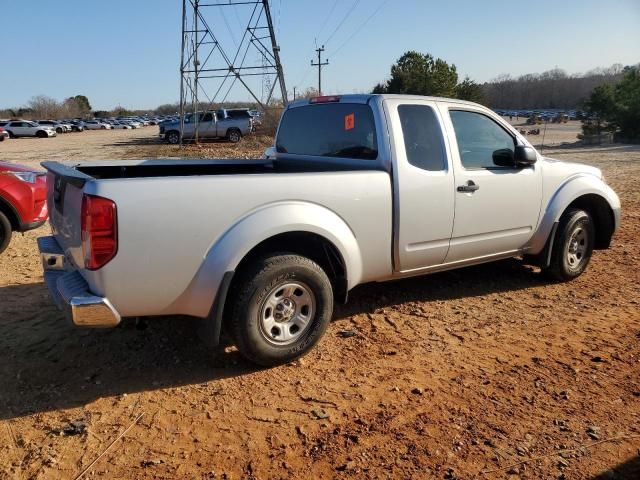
(207, 125)
(358, 188)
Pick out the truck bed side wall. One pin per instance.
(167, 227)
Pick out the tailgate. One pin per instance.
(64, 198)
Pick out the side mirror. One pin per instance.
(503, 157)
(524, 156)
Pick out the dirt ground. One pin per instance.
(486, 372)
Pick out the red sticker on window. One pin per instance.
(350, 121)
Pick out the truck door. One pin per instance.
(423, 185)
(207, 126)
(496, 207)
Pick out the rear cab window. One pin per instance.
(339, 130)
(422, 137)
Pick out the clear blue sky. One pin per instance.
(127, 51)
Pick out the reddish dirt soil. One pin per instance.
(486, 372)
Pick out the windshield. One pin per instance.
(344, 130)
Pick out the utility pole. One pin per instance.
(294, 94)
(320, 65)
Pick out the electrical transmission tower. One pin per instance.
(213, 64)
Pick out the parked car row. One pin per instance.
(14, 128)
(540, 116)
(232, 124)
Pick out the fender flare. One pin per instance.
(573, 188)
(270, 220)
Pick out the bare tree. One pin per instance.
(44, 107)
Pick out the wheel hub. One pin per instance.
(285, 310)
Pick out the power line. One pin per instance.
(233, 37)
(362, 25)
(324, 24)
(353, 7)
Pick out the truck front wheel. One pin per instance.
(572, 246)
(283, 305)
(5, 232)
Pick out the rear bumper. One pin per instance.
(70, 291)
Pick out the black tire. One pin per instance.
(2, 137)
(5, 232)
(264, 280)
(172, 137)
(573, 245)
(59, 130)
(234, 135)
(103, 127)
(11, 135)
(41, 134)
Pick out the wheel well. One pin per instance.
(601, 214)
(10, 213)
(307, 244)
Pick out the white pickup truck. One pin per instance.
(358, 188)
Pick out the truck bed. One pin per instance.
(104, 170)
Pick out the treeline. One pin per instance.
(553, 89)
(42, 107)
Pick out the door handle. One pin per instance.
(470, 187)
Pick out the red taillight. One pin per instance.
(99, 231)
(325, 99)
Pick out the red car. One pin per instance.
(3, 134)
(23, 200)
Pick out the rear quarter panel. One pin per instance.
(167, 228)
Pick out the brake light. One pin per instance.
(325, 99)
(99, 231)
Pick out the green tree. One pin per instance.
(616, 108)
(83, 104)
(599, 107)
(470, 90)
(626, 112)
(420, 74)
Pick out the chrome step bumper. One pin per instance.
(70, 291)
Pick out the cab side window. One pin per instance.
(482, 143)
(422, 137)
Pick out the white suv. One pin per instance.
(25, 128)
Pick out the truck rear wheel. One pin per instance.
(172, 137)
(5, 232)
(573, 245)
(283, 305)
(234, 135)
